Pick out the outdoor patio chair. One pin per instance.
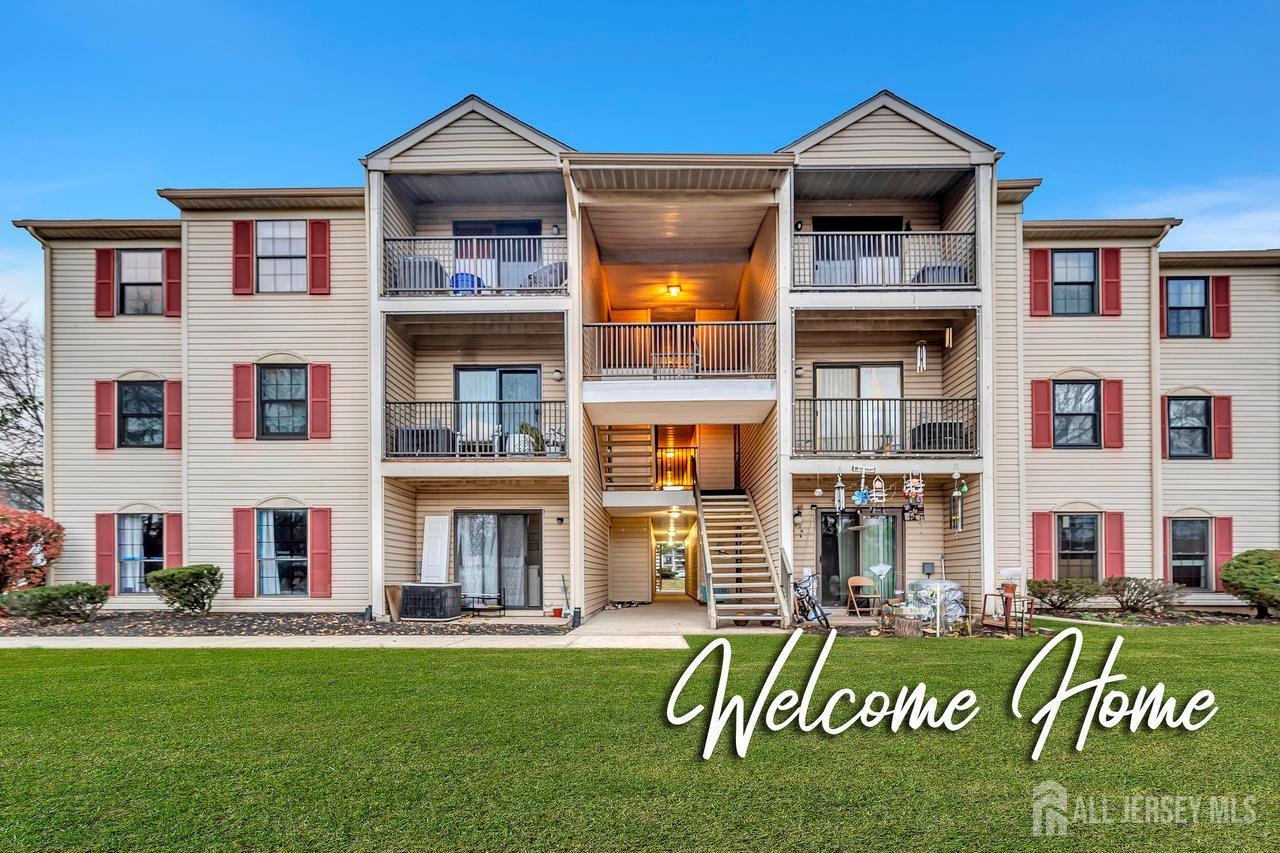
(872, 601)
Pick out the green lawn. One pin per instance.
(362, 750)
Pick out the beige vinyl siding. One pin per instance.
(923, 214)
(595, 290)
(758, 293)
(402, 545)
(595, 523)
(84, 349)
(693, 565)
(962, 549)
(401, 372)
(473, 141)
(630, 560)
(548, 496)
(959, 209)
(759, 474)
(224, 472)
(436, 220)
(715, 456)
(922, 541)
(1116, 480)
(960, 363)
(1245, 367)
(1007, 303)
(397, 214)
(437, 356)
(883, 138)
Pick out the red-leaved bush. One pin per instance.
(30, 544)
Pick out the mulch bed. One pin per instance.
(979, 632)
(1173, 618)
(159, 623)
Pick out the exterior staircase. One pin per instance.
(742, 581)
(626, 456)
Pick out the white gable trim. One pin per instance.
(381, 158)
(979, 151)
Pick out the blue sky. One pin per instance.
(1124, 109)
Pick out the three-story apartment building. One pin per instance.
(523, 369)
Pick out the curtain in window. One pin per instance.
(268, 568)
(478, 554)
(881, 388)
(129, 549)
(879, 546)
(514, 549)
(836, 388)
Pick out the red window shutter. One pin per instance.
(1042, 546)
(1111, 282)
(173, 282)
(1168, 548)
(1041, 413)
(1113, 413)
(242, 257)
(104, 283)
(320, 556)
(242, 537)
(1164, 426)
(320, 406)
(1220, 321)
(1113, 541)
(242, 400)
(173, 414)
(1164, 307)
(172, 540)
(105, 550)
(318, 256)
(1221, 427)
(1223, 547)
(104, 414)
(1041, 301)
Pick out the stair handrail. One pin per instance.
(706, 558)
(783, 613)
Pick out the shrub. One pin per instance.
(1064, 593)
(76, 601)
(189, 589)
(1255, 577)
(30, 544)
(1143, 595)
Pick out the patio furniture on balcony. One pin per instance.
(884, 259)
(475, 266)
(471, 429)
(737, 349)
(885, 427)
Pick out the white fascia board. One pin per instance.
(446, 468)
(801, 465)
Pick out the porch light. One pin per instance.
(671, 454)
(555, 229)
(799, 372)
(557, 375)
(797, 518)
(675, 514)
(673, 289)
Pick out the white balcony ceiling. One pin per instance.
(814, 183)
(488, 188)
(679, 401)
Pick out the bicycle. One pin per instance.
(806, 605)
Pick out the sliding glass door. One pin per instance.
(496, 402)
(858, 407)
(498, 556)
(846, 550)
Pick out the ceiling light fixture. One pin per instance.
(673, 289)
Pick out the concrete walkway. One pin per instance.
(670, 614)
(575, 640)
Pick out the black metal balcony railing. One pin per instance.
(738, 349)
(911, 427)
(460, 429)
(475, 266)
(674, 468)
(927, 260)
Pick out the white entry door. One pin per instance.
(435, 549)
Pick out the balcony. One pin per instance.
(878, 428)
(475, 266)
(457, 429)
(679, 350)
(884, 260)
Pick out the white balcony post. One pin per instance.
(377, 396)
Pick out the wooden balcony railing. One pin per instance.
(741, 349)
(910, 427)
(675, 468)
(926, 260)
(475, 266)
(464, 429)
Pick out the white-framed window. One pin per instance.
(141, 281)
(282, 255)
(1189, 553)
(1075, 282)
(139, 549)
(282, 552)
(1078, 546)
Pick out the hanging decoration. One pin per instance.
(922, 357)
(877, 491)
(839, 499)
(861, 497)
(913, 497)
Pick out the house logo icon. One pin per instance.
(1048, 809)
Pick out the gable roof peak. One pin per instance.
(892, 101)
(470, 103)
